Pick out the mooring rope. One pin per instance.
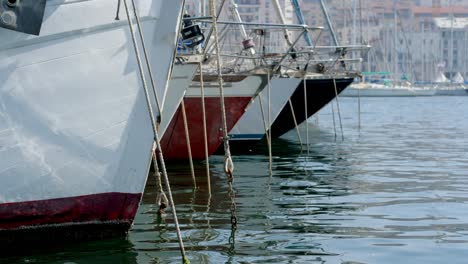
(267, 129)
(333, 118)
(228, 164)
(359, 109)
(187, 140)
(338, 108)
(295, 121)
(205, 133)
(155, 132)
(148, 65)
(161, 198)
(262, 111)
(270, 154)
(306, 114)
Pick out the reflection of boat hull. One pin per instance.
(353, 91)
(238, 95)
(451, 91)
(75, 133)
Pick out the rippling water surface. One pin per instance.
(394, 191)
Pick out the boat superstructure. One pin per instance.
(291, 69)
(240, 86)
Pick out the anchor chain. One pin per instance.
(233, 208)
(228, 164)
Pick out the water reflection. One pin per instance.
(394, 191)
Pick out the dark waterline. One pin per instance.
(395, 191)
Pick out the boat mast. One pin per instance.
(203, 8)
(235, 13)
(451, 44)
(279, 12)
(354, 36)
(466, 56)
(330, 26)
(368, 39)
(395, 42)
(300, 18)
(247, 42)
(424, 62)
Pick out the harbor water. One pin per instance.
(394, 190)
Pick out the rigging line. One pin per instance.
(338, 108)
(333, 118)
(155, 132)
(305, 112)
(295, 122)
(148, 66)
(270, 155)
(262, 111)
(266, 126)
(359, 109)
(208, 36)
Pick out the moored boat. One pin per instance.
(252, 126)
(239, 89)
(75, 132)
(320, 91)
(288, 107)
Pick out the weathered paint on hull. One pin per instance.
(174, 141)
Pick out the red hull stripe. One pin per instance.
(102, 207)
(174, 144)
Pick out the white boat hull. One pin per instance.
(238, 93)
(251, 126)
(75, 133)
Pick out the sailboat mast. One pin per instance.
(465, 70)
(330, 26)
(451, 44)
(395, 42)
(300, 18)
(203, 7)
(279, 12)
(354, 34)
(368, 38)
(424, 62)
(354, 41)
(235, 12)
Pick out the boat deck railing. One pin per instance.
(265, 47)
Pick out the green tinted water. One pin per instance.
(395, 191)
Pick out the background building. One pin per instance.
(412, 39)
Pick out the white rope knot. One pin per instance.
(228, 165)
(162, 202)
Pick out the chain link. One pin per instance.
(232, 196)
